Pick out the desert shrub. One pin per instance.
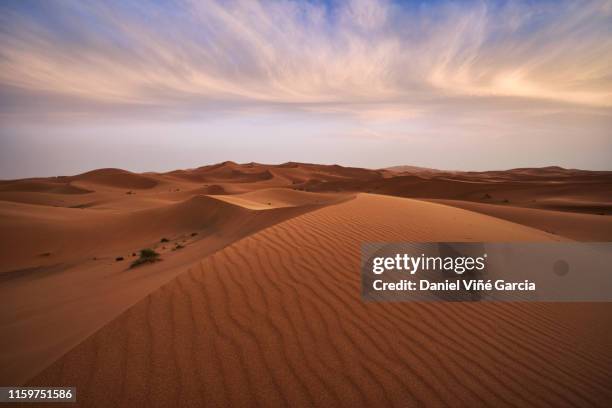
(119, 258)
(147, 255)
(164, 240)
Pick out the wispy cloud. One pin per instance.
(158, 84)
(364, 57)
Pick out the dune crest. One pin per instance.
(276, 318)
(116, 178)
(256, 296)
(60, 249)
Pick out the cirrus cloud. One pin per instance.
(185, 56)
(422, 74)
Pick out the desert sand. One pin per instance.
(256, 299)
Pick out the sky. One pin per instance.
(168, 84)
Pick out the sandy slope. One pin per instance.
(550, 188)
(580, 227)
(60, 280)
(276, 319)
(280, 198)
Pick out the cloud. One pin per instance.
(364, 57)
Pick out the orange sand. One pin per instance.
(261, 303)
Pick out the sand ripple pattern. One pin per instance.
(276, 319)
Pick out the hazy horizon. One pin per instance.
(170, 169)
(174, 84)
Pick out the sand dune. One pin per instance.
(60, 279)
(589, 197)
(42, 187)
(116, 178)
(225, 171)
(257, 294)
(580, 227)
(552, 188)
(414, 170)
(276, 319)
(280, 197)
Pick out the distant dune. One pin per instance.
(413, 169)
(115, 178)
(256, 299)
(573, 225)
